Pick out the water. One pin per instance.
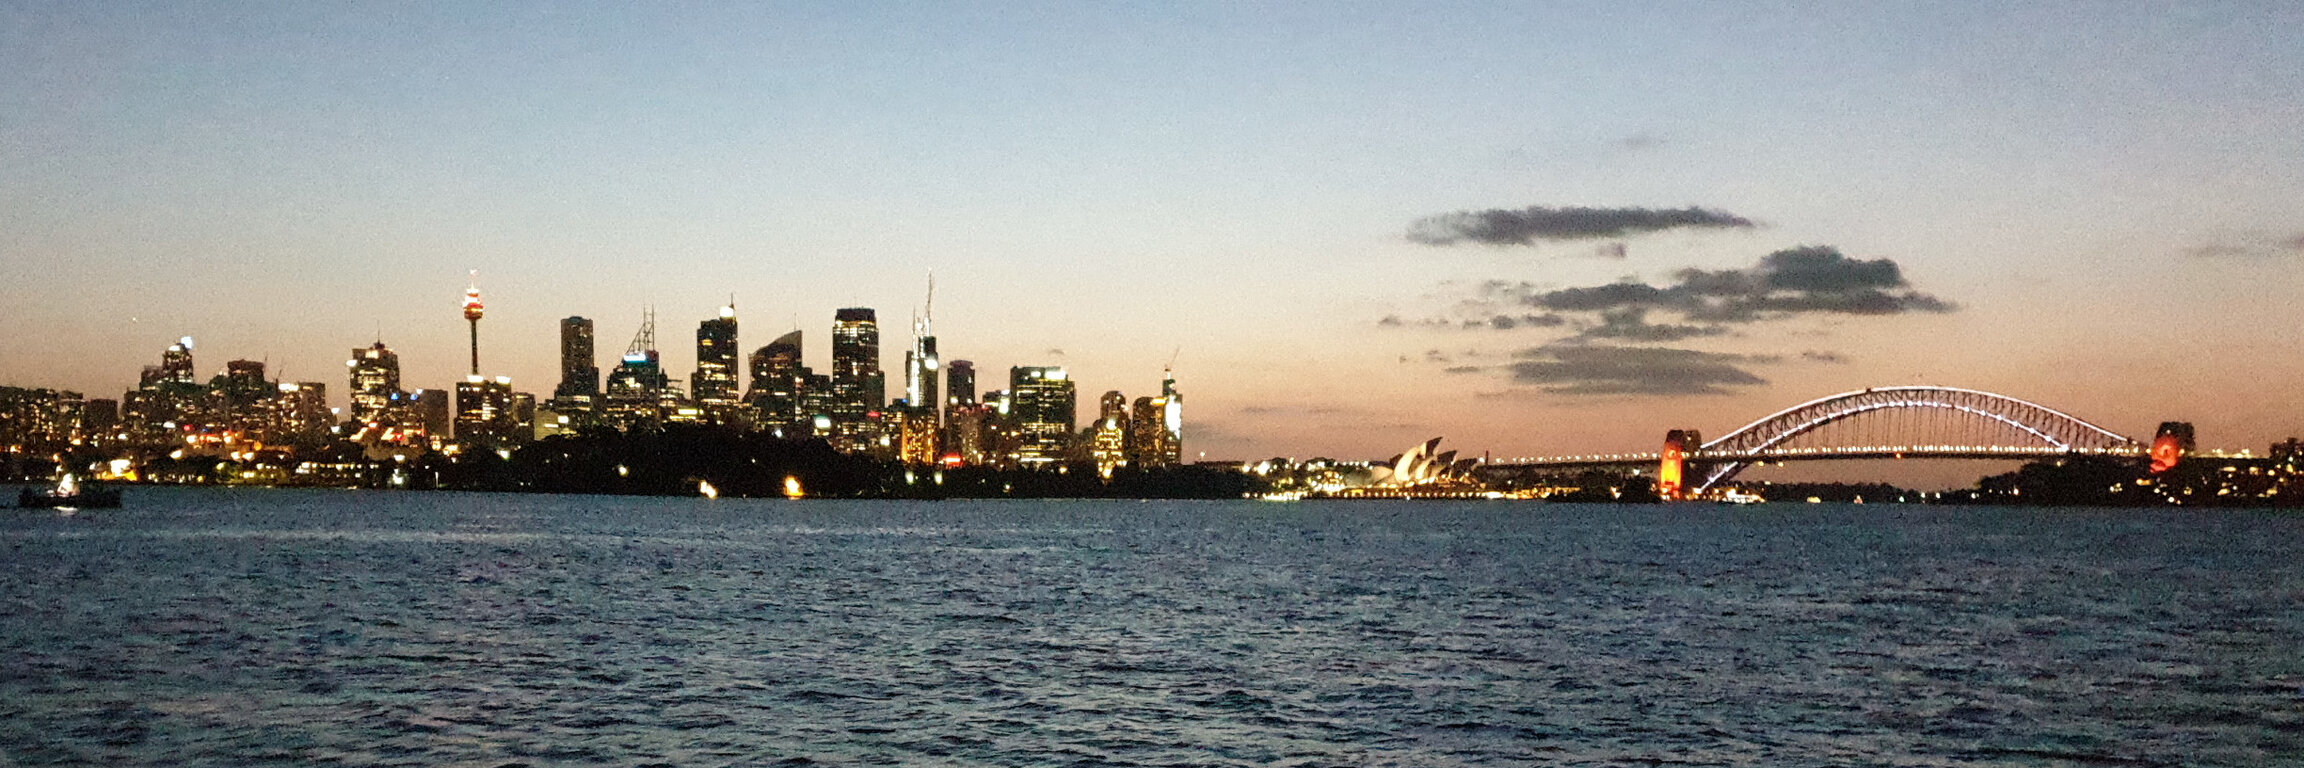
(219, 627)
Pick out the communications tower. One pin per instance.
(472, 313)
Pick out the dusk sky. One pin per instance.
(1328, 213)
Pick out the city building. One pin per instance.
(39, 421)
(961, 378)
(472, 312)
(777, 378)
(1156, 428)
(859, 389)
(1108, 438)
(579, 389)
(486, 416)
(375, 381)
(715, 385)
(638, 389)
(1044, 408)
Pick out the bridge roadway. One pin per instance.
(1783, 453)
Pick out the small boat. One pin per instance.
(69, 494)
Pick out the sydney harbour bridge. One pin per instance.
(1909, 422)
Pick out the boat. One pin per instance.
(69, 494)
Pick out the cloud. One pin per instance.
(1631, 324)
(1615, 370)
(1795, 281)
(2257, 245)
(1641, 141)
(1525, 226)
(1818, 356)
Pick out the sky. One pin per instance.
(1689, 215)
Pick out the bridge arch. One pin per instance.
(2053, 429)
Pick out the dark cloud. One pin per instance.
(1509, 322)
(2256, 246)
(1525, 226)
(1391, 321)
(1614, 370)
(1463, 369)
(1796, 281)
(1816, 356)
(1631, 324)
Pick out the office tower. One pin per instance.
(917, 432)
(485, 420)
(1156, 428)
(579, 369)
(430, 409)
(714, 385)
(302, 415)
(920, 365)
(1108, 441)
(776, 380)
(858, 386)
(1044, 409)
(967, 428)
(375, 381)
(962, 381)
(1171, 418)
(817, 402)
(176, 363)
(638, 387)
(472, 315)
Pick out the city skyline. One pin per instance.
(1328, 212)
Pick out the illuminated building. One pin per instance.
(175, 366)
(472, 312)
(1156, 428)
(1672, 469)
(486, 418)
(300, 414)
(1108, 440)
(1171, 418)
(579, 388)
(39, 421)
(638, 388)
(1044, 408)
(968, 427)
(817, 401)
(714, 386)
(777, 378)
(375, 381)
(858, 387)
(916, 431)
(167, 396)
(921, 367)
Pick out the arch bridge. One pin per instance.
(1881, 422)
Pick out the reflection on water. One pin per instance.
(282, 627)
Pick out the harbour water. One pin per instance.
(272, 627)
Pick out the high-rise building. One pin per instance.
(859, 389)
(176, 363)
(579, 386)
(1108, 439)
(638, 388)
(1156, 428)
(485, 415)
(429, 411)
(962, 381)
(921, 368)
(777, 376)
(302, 417)
(38, 421)
(714, 386)
(1044, 408)
(375, 381)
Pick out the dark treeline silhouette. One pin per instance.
(675, 460)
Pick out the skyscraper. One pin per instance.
(962, 381)
(638, 387)
(776, 380)
(579, 367)
(1156, 428)
(1108, 445)
(715, 383)
(858, 386)
(1044, 408)
(485, 418)
(375, 381)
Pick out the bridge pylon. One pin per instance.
(1672, 471)
(2170, 445)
